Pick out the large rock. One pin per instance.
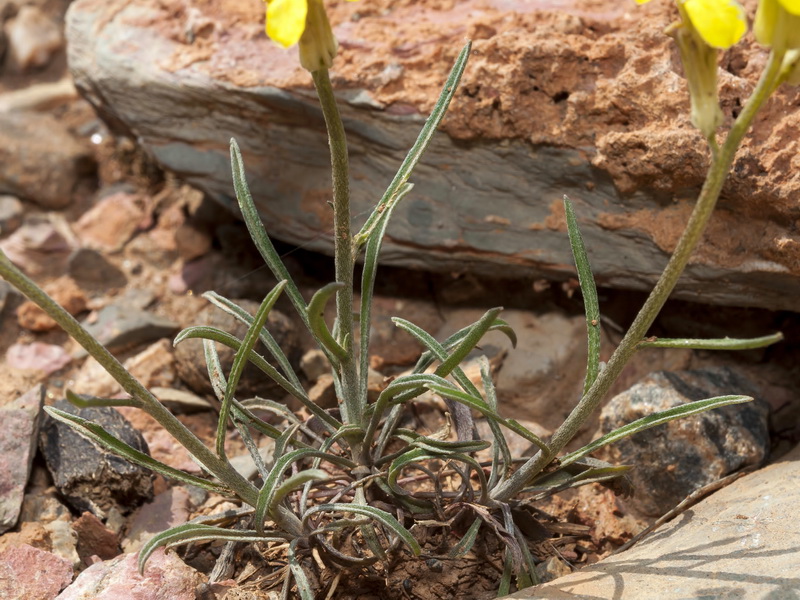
(587, 101)
(673, 460)
(739, 543)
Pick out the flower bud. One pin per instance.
(700, 65)
(318, 45)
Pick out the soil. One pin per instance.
(582, 526)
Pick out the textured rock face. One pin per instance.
(587, 101)
(673, 460)
(739, 543)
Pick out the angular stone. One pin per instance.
(122, 325)
(10, 214)
(672, 460)
(90, 478)
(739, 543)
(94, 538)
(33, 39)
(39, 160)
(110, 223)
(38, 356)
(66, 292)
(166, 577)
(39, 246)
(32, 574)
(560, 98)
(168, 509)
(91, 270)
(18, 440)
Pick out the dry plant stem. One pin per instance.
(343, 244)
(706, 202)
(218, 467)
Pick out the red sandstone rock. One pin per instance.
(587, 99)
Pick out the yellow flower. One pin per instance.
(720, 23)
(778, 23)
(286, 20)
(305, 22)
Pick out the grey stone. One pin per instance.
(10, 214)
(89, 477)
(39, 160)
(190, 361)
(543, 111)
(18, 439)
(740, 543)
(91, 270)
(122, 325)
(672, 460)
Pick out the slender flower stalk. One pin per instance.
(343, 244)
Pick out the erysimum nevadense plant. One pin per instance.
(338, 485)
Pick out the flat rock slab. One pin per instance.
(28, 573)
(739, 543)
(18, 440)
(585, 99)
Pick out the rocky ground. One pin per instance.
(128, 248)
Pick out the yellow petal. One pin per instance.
(721, 23)
(286, 20)
(791, 6)
(642, 1)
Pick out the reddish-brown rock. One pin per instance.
(586, 99)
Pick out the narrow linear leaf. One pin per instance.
(446, 447)
(664, 416)
(419, 147)
(478, 404)
(402, 384)
(427, 357)
(240, 360)
(259, 235)
(562, 480)
(226, 339)
(504, 587)
(266, 338)
(316, 309)
(368, 285)
(467, 541)
(418, 455)
(500, 449)
(99, 435)
(300, 578)
(589, 291)
(712, 344)
(382, 517)
(84, 401)
(194, 532)
(271, 484)
(293, 482)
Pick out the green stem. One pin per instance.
(352, 409)
(220, 468)
(706, 202)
